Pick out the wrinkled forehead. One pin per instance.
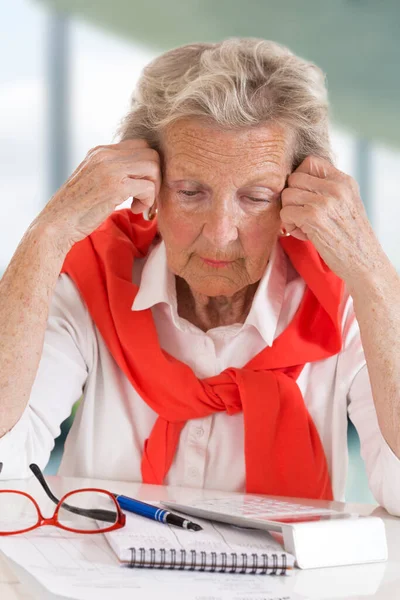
(191, 145)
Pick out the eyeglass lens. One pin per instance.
(17, 512)
(88, 511)
(82, 510)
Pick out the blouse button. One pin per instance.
(199, 432)
(193, 472)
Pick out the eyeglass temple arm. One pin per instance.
(39, 476)
(95, 513)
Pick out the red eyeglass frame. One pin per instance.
(54, 519)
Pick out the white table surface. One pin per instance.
(378, 580)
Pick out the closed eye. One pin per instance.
(191, 193)
(187, 192)
(258, 199)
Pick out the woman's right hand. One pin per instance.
(107, 176)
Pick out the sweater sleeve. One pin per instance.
(58, 384)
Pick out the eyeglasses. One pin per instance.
(89, 510)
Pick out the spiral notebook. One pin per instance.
(219, 547)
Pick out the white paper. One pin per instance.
(84, 567)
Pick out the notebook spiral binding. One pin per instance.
(207, 561)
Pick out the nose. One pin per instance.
(221, 223)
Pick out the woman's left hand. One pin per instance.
(323, 205)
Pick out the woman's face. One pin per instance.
(220, 200)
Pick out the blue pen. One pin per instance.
(155, 513)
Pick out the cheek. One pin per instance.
(259, 236)
(178, 229)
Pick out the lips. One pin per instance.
(217, 263)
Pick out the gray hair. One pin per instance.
(239, 82)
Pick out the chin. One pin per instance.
(210, 287)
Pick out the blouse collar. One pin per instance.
(157, 285)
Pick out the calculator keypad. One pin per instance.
(260, 508)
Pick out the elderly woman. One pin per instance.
(215, 342)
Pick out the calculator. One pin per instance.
(248, 510)
(315, 536)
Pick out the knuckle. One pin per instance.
(333, 188)
(309, 160)
(343, 179)
(100, 153)
(150, 185)
(94, 150)
(285, 213)
(153, 169)
(313, 212)
(135, 143)
(285, 194)
(142, 183)
(354, 185)
(323, 201)
(153, 155)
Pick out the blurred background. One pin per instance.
(68, 69)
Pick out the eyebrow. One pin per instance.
(276, 177)
(191, 181)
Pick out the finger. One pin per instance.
(133, 143)
(138, 207)
(143, 193)
(296, 197)
(294, 217)
(317, 166)
(144, 169)
(130, 145)
(310, 183)
(126, 145)
(289, 227)
(298, 234)
(140, 154)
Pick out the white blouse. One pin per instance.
(112, 422)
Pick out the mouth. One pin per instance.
(217, 263)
